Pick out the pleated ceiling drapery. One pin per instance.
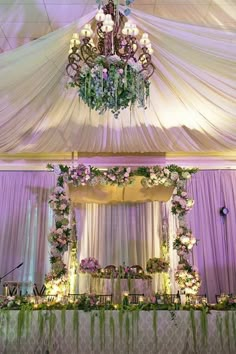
(192, 106)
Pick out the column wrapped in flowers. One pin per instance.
(59, 238)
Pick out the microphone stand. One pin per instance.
(10, 271)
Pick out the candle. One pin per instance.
(6, 290)
(140, 299)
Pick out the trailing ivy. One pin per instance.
(63, 320)
(127, 330)
(132, 329)
(154, 326)
(219, 327)
(193, 325)
(233, 327)
(52, 324)
(129, 283)
(92, 326)
(227, 329)
(112, 329)
(102, 319)
(20, 323)
(121, 320)
(137, 320)
(76, 326)
(204, 326)
(41, 323)
(28, 319)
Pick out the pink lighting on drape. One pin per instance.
(215, 255)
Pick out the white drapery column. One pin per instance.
(130, 233)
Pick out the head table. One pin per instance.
(73, 331)
(85, 283)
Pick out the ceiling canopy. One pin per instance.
(192, 106)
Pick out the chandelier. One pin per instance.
(111, 69)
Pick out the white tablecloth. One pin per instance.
(134, 334)
(117, 287)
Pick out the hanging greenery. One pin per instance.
(113, 85)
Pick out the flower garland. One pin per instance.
(187, 278)
(59, 239)
(184, 241)
(82, 175)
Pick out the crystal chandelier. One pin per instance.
(112, 68)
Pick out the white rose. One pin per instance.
(166, 171)
(190, 203)
(174, 176)
(153, 176)
(186, 175)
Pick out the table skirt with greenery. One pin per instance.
(73, 331)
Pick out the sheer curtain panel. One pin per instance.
(25, 221)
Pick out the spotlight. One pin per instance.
(224, 211)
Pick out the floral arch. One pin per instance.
(172, 177)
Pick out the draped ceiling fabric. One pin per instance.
(192, 106)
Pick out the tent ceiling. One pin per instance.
(24, 20)
(192, 106)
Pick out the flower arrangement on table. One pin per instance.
(157, 265)
(55, 286)
(112, 85)
(89, 265)
(184, 241)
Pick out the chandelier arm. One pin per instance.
(88, 54)
(73, 68)
(149, 69)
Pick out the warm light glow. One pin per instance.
(100, 16)
(144, 41)
(75, 36)
(140, 299)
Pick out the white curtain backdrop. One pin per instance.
(130, 233)
(25, 221)
(192, 105)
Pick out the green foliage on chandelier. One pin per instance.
(112, 85)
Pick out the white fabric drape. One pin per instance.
(25, 221)
(129, 233)
(192, 106)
